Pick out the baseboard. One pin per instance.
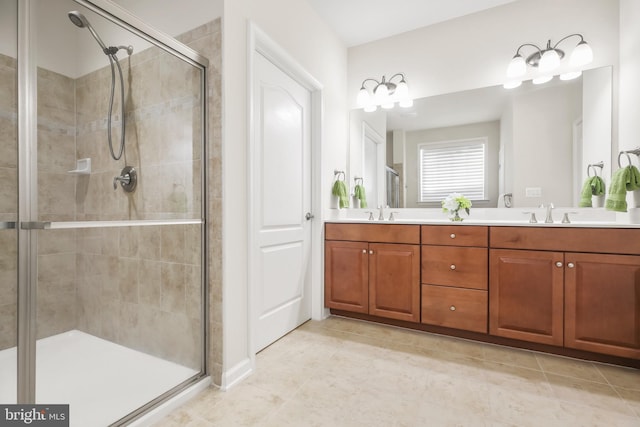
(235, 375)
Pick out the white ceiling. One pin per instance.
(362, 21)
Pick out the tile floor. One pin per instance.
(342, 372)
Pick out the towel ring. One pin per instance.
(337, 173)
(593, 167)
(628, 158)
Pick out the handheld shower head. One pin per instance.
(78, 19)
(81, 21)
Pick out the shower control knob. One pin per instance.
(128, 179)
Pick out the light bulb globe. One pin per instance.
(381, 93)
(363, 98)
(549, 61)
(517, 67)
(581, 55)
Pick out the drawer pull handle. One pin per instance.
(571, 265)
(453, 236)
(453, 267)
(558, 264)
(370, 252)
(364, 251)
(452, 308)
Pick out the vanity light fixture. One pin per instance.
(384, 93)
(547, 60)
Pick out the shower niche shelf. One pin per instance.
(83, 167)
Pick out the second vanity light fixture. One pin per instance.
(384, 93)
(547, 60)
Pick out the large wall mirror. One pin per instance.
(537, 143)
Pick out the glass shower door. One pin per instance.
(8, 201)
(118, 240)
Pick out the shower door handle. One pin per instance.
(7, 225)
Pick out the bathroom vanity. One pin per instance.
(564, 289)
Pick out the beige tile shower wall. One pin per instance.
(207, 41)
(162, 122)
(140, 287)
(56, 308)
(8, 201)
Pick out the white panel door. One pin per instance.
(281, 198)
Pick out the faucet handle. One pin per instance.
(532, 218)
(565, 217)
(370, 215)
(391, 217)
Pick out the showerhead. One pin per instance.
(81, 21)
(78, 19)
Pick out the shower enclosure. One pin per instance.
(102, 283)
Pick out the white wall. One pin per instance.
(378, 122)
(473, 51)
(297, 28)
(629, 83)
(596, 131)
(543, 144)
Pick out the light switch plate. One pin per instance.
(533, 192)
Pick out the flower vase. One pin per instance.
(455, 217)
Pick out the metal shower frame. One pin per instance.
(27, 220)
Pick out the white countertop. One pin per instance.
(580, 217)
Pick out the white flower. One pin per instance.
(450, 204)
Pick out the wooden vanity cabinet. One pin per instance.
(454, 277)
(526, 295)
(563, 295)
(373, 269)
(346, 275)
(602, 304)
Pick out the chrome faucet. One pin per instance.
(549, 218)
(381, 215)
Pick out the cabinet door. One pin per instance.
(602, 303)
(526, 295)
(394, 281)
(346, 276)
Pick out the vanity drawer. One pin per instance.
(455, 235)
(455, 266)
(598, 240)
(454, 308)
(380, 233)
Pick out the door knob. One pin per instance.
(558, 264)
(308, 216)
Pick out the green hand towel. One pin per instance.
(593, 186)
(360, 194)
(585, 194)
(633, 182)
(340, 190)
(623, 180)
(597, 186)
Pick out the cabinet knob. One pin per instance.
(571, 265)
(364, 251)
(453, 266)
(452, 308)
(453, 236)
(370, 252)
(558, 264)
